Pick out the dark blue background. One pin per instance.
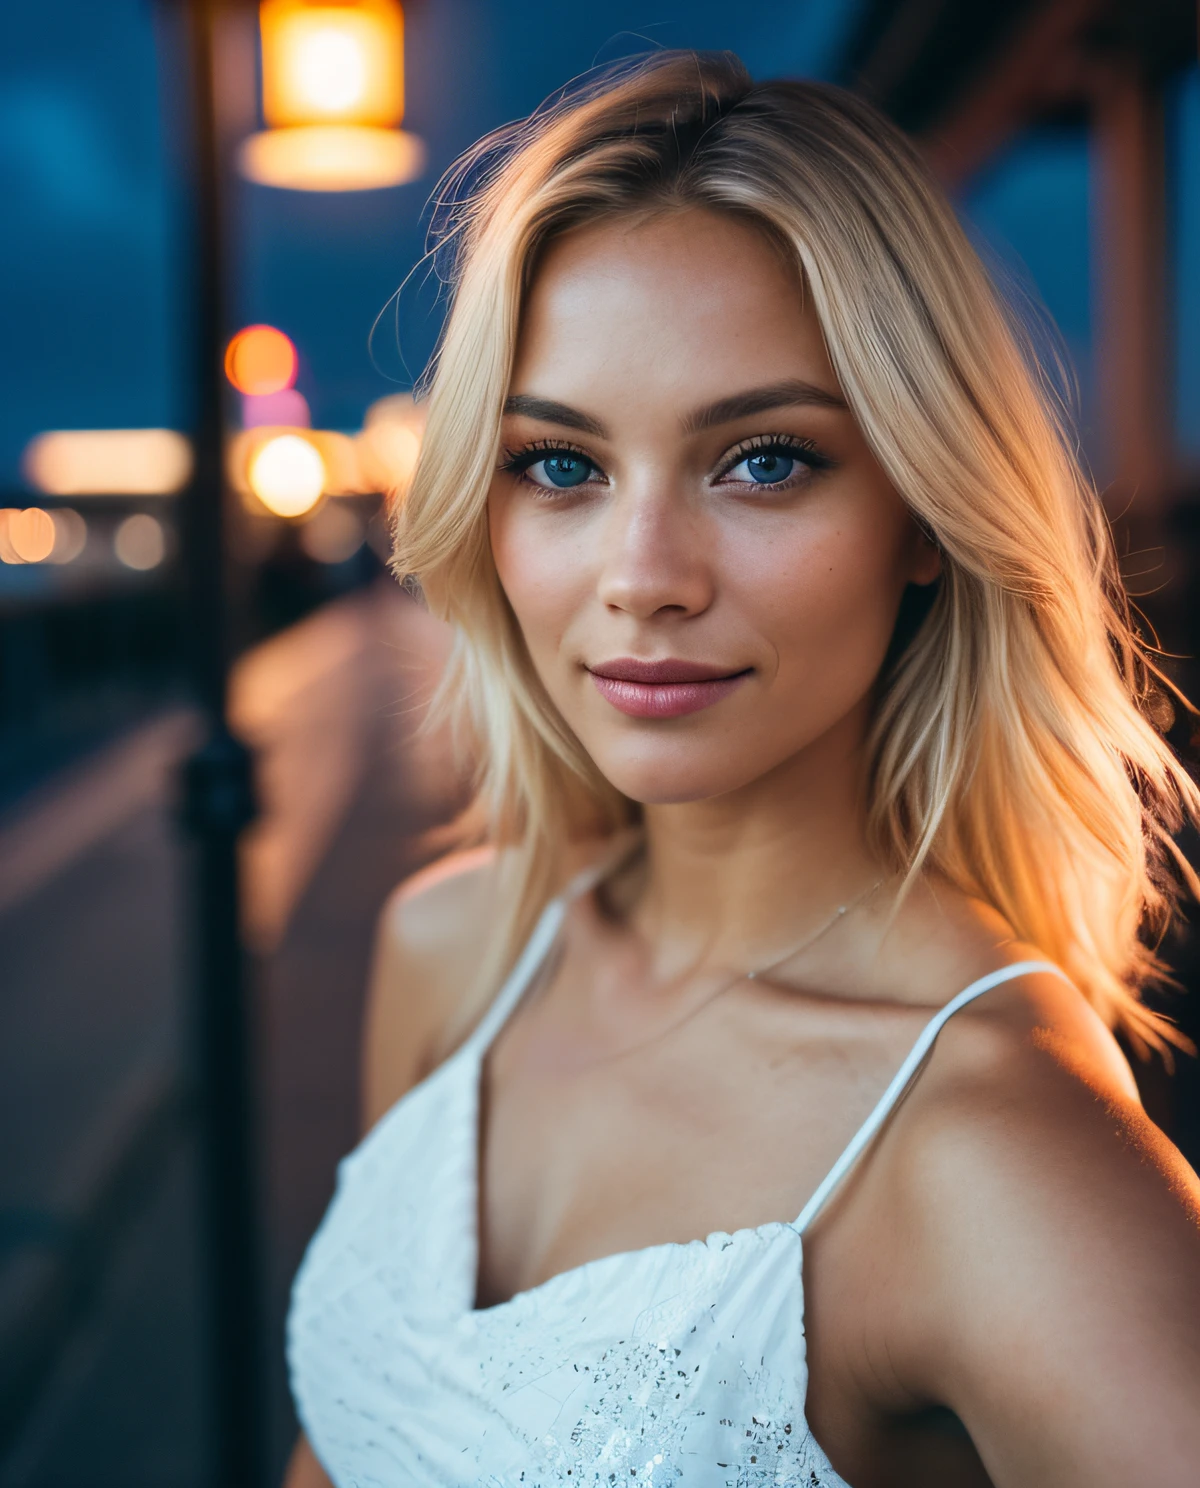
(90, 263)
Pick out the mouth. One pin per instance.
(663, 689)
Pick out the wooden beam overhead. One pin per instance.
(1044, 68)
(965, 77)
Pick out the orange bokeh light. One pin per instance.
(261, 360)
(27, 535)
(332, 63)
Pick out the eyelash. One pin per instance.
(517, 461)
(804, 451)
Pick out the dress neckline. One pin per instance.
(472, 1052)
(532, 959)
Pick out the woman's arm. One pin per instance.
(430, 936)
(303, 1469)
(1051, 1294)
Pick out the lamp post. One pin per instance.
(218, 803)
(333, 98)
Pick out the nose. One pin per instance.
(656, 557)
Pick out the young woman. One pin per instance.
(812, 729)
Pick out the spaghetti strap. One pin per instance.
(529, 963)
(904, 1077)
(540, 943)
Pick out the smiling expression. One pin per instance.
(702, 553)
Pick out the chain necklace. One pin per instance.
(836, 917)
(811, 939)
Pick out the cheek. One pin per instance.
(541, 569)
(827, 605)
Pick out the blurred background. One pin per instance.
(210, 769)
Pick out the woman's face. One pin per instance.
(703, 555)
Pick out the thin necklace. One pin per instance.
(811, 939)
(839, 914)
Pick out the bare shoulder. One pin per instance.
(433, 932)
(435, 935)
(1049, 1286)
(943, 941)
(434, 912)
(1027, 1106)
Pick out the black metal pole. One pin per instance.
(219, 801)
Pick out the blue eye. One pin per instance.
(551, 466)
(777, 462)
(562, 469)
(769, 467)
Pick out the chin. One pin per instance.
(674, 776)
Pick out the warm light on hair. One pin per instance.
(1013, 748)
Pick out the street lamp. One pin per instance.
(332, 97)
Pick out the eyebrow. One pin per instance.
(551, 412)
(791, 393)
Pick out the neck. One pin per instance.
(733, 880)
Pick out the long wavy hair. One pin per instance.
(1012, 745)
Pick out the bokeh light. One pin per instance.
(261, 360)
(287, 474)
(8, 554)
(332, 157)
(339, 455)
(340, 63)
(103, 462)
(272, 410)
(70, 535)
(334, 534)
(390, 443)
(331, 70)
(140, 542)
(333, 96)
(27, 535)
(31, 535)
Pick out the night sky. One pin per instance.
(92, 275)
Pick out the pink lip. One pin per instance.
(663, 689)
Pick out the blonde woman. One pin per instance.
(795, 1146)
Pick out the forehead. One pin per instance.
(691, 302)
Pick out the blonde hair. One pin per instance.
(1012, 747)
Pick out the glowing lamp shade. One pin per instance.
(333, 97)
(332, 157)
(287, 474)
(332, 64)
(260, 360)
